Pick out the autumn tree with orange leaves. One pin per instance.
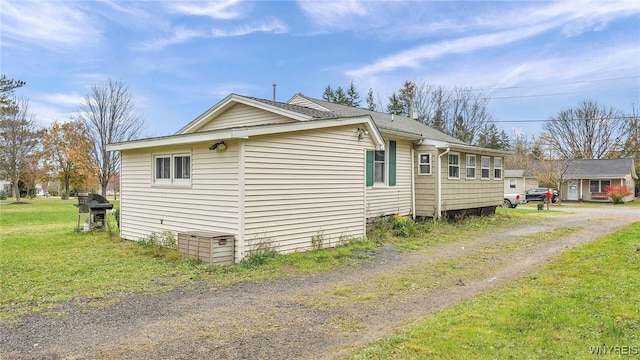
(66, 153)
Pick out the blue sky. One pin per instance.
(181, 57)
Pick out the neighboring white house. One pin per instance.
(518, 181)
(296, 175)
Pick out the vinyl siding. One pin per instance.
(425, 184)
(386, 200)
(584, 190)
(457, 194)
(303, 185)
(470, 193)
(210, 203)
(241, 115)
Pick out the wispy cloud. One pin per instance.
(177, 35)
(273, 26)
(221, 10)
(334, 13)
(56, 25)
(568, 18)
(413, 58)
(180, 35)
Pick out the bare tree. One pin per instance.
(461, 112)
(109, 115)
(524, 149)
(19, 136)
(631, 146)
(588, 131)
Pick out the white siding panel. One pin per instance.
(386, 200)
(210, 203)
(304, 185)
(241, 115)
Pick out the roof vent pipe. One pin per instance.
(274, 91)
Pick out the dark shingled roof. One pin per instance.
(584, 168)
(387, 122)
(601, 168)
(315, 113)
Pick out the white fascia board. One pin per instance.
(245, 133)
(466, 148)
(232, 99)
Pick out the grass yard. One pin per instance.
(44, 262)
(582, 305)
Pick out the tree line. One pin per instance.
(72, 151)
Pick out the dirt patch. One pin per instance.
(322, 316)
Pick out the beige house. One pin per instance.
(298, 175)
(582, 179)
(586, 179)
(518, 181)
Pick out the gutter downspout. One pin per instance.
(413, 184)
(439, 187)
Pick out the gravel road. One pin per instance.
(321, 316)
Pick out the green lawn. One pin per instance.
(584, 303)
(45, 262)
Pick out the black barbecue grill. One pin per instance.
(95, 206)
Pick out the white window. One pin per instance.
(172, 169)
(485, 162)
(424, 164)
(378, 167)
(598, 185)
(454, 166)
(513, 183)
(182, 167)
(163, 168)
(497, 168)
(471, 166)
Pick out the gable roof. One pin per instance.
(600, 168)
(190, 134)
(513, 173)
(305, 111)
(291, 111)
(584, 168)
(386, 122)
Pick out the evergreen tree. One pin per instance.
(352, 96)
(340, 97)
(395, 105)
(371, 103)
(328, 94)
(460, 130)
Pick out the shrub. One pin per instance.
(116, 214)
(3, 195)
(617, 193)
(402, 226)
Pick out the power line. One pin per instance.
(549, 84)
(554, 94)
(576, 119)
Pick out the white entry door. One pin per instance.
(572, 193)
